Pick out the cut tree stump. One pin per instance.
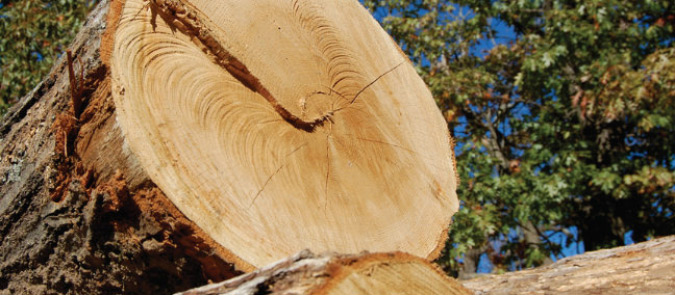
(191, 141)
(330, 274)
(644, 268)
(282, 125)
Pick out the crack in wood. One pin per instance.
(373, 82)
(184, 17)
(274, 174)
(325, 202)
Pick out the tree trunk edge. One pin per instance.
(643, 268)
(67, 227)
(309, 273)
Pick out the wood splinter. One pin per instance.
(75, 88)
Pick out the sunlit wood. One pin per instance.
(282, 125)
(330, 274)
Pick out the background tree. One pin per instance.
(34, 34)
(566, 123)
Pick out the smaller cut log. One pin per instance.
(644, 268)
(307, 273)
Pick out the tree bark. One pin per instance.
(102, 191)
(78, 215)
(306, 273)
(644, 268)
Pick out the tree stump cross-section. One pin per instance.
(282, 125)
(207, 138)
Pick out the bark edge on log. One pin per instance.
(330, 273)
(643, 268)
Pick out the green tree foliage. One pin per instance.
(569, 123)
(35, 34)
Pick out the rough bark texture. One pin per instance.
(306, 273)
(644, 268)
(81, 214)
(77, 215)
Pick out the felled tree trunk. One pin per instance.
(331, 274)
(644, 268)
(189, 141)
(78, 214)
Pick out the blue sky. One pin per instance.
(505, 35)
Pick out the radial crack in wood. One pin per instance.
(282, 125)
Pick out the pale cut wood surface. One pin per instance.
(282, 125)
(644, 268)
(331, 274)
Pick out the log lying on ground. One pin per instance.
(644, 268)
(329, 274)
(195, 142)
